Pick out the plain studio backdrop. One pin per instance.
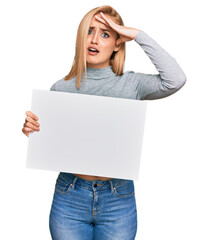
(37, 49)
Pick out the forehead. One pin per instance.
(97, 23)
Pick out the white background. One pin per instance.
(37, 49)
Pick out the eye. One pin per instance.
(90, 31)
(105, 35)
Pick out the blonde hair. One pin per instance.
(79, 64)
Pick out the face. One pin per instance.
(102, 39)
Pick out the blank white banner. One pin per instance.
(87, 134)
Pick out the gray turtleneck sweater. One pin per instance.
(131, 85)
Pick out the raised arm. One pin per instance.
(170, 78)
(150, 86)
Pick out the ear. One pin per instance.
(117, 45)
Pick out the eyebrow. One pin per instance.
(103, 29)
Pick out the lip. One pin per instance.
(92, 53)
(92, 47)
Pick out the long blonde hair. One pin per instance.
(79, 65)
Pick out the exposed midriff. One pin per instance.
(89, 177)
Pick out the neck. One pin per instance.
(100, 73)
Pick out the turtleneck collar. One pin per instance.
(100, 73)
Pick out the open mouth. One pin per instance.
(92, 51)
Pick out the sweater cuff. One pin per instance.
(141, 34)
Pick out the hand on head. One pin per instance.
(125, 33)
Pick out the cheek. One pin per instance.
(109, 52)
(108, 48)
(88, 41)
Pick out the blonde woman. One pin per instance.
(91, 207)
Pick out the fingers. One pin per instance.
(106, 20)
(32, 115)
(30, 124)
(110, 22)
(26, 131)
(126, 33)
(100, 19)
(29, 119)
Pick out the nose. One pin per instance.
(94, 38)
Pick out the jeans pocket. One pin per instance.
(63, 185)
(124, 190)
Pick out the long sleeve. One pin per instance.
(170, 78)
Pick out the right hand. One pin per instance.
(30, 124)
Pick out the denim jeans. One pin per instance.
(93, 209)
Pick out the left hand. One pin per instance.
(126, 33)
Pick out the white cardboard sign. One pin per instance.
(87, 134)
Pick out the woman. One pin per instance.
(93, 207)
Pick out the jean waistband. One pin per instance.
(93, 184)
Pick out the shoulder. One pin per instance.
(60, 85)
(136, 80)
(135, 76)
(53, 87)
(130, 74)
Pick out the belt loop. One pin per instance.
(111, 183)
(75, 179)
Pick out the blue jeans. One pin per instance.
(93, 210)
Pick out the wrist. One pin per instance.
(135, 33)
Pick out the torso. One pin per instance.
(89, 177)
(96, 84)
